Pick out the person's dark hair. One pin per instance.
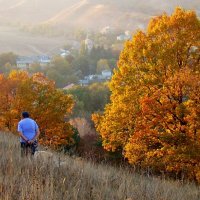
(25, 114)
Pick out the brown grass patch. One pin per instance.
(23, 178)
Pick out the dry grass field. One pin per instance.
(75, 179)
(13, 40)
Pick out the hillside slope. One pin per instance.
(23, 178)
(12, 40)
(88, 13)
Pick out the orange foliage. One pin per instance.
(167, 132)
(154, 114)
(47, 105)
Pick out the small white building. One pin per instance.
(93, 78)
(106, 30)
(106, 74)
(84, 82)
(123, 37)
(127, 33)
(64, 53)
(68, 87)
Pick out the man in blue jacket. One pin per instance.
(28, 132)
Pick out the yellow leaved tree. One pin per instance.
(154, 114)
(47, 105)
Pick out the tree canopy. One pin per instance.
(37, 95)
(154, 114)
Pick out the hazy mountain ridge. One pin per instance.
(72, 15)
(88, 13)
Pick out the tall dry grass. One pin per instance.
(26, 179)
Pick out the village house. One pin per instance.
(104, 76)
(68, 87)
(106, 30)
(64, 53)
(125, 36)
(24, 62)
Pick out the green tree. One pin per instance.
(61, 72)
(80, 35)
(112, 63)
(61, 65)
(6, 58)
(82, 63)
(102, 64)
(34, 68)
(53, 74)
(83, 52)
(90, 99)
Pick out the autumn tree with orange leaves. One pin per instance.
(47, 105)
(154, 114)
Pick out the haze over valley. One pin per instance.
(63, 17)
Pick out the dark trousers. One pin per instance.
(27, 149)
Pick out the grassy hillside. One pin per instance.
(12, 40)
(70, 15)
(88, 13)
(26, 179)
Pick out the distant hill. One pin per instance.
(69, 14)
(93, 14)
